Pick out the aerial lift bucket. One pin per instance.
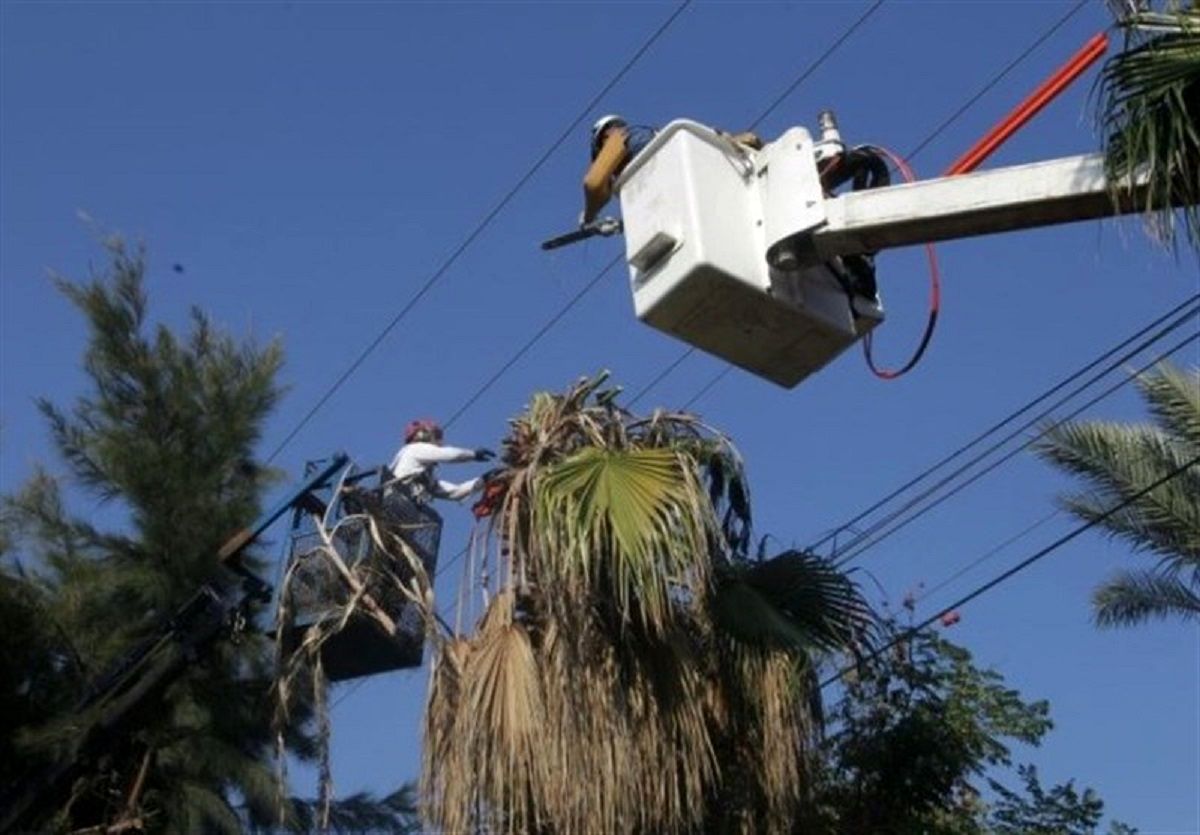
(316, 593)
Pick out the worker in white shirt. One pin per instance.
(414, 467)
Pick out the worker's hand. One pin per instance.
(482, 454)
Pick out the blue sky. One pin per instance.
(311, 164)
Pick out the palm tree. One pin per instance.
(631, 669)
(1116, 461)
(1150, 116)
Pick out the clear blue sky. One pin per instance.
(310, 164)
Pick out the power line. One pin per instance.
(987, 555)
(995, 464)
(1016, 569)
(924, 143)
(994, 428)
(479, 228)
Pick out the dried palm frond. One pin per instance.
(611, 686)
(389, 566)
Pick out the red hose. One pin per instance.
(935, 293)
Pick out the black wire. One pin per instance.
(816, 64)
(991, 430)
(1019, 567)
(946, 123)
(985, 556)
(478, 230)
(1045, 36)
(1003, 459)
(533, 340)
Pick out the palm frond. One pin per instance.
(1117, 461)
(1134, 597)
(627, 522)
(1173, 396)
(1150, 117)
(795, 600)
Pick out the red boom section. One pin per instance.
(1031, 106)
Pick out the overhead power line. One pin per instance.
(922, 145)
(479, 228)
(905, 522)
(907, 634)
(1180, 308)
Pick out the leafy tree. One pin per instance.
(1150, 115)
(1060, 810)
(1115, 461)
(633, 669)
(912, 741)
(164, 438)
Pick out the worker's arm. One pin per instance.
(750, 140)
(426, 453)
(597, 183)
(456, 492)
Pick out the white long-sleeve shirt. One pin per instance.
(421, 459)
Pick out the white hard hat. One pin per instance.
(602, 124)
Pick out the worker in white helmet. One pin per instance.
(614, 144)
(414, 468)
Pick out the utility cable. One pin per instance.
(595, 280)
(842, 560)
(987, 555)
(478, 230)
(996, 427)
(924, 143)
(907, 634)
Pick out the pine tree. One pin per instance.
(165, 438)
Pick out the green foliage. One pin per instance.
(911, 743)
(1061, 810)
(794, 600)
(1115, 461)
(1150, 117)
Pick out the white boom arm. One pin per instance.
(1001, 200)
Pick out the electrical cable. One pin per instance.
(924, 143)
(991, 430)
(842, 560)
(478, 230)
(986, 555)
(935, 292)
(1016, 569)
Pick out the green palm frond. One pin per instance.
(795, 600)
(1150, 117)
(1134, 597)
(629, 520)
(1173, 396)
(1117, 461)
